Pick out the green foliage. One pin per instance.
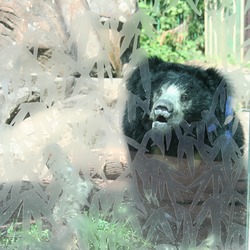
(101, 234)
(10, 236)
(168, 18)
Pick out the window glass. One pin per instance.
(124, 124)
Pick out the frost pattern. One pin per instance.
(57, 148)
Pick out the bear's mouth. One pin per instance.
(160, 123)
(161, 118)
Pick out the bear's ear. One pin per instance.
(156, 64)
(214, 79)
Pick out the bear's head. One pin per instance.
(177, 92)
(168, 97)
(180, 92)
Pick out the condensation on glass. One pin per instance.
(68, 180)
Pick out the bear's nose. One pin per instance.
(164, 106)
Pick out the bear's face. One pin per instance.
(178, 97)
(169, 107)
(171, 93)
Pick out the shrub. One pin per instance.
(168, 18)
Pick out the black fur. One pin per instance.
(199, 84)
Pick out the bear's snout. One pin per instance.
(164, 105)
(162, 110)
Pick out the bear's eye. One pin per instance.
(184, 97)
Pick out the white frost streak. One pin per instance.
(68, 128)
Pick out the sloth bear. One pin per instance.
(174, 107)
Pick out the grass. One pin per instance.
(11, 234)
(99, 234)
(102, 234)
(117, 235)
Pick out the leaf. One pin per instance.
(228, 119)
(186, 147)
(158, 139)
(131, 30)
(193, 6)
(155, 221)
